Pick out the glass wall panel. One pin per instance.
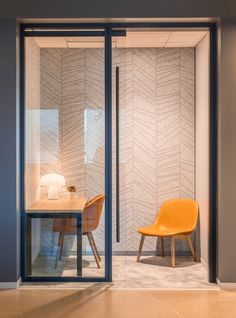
(153, 89)
(64, 156)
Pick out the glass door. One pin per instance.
(67, 173)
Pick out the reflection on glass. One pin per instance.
(93, 135)
(42, 135)
(49, 133)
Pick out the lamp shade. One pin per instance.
(52, 179)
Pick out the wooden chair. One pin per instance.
(177, 219)
(91, 217)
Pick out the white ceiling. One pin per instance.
(132, 39)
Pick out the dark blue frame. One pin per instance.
(108, 30)
(107, 33)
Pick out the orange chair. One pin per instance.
(91, 216)
(176, 219)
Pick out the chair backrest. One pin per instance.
(92, 213)
(179, 214)
(91, 216)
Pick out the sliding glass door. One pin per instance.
(66, 169)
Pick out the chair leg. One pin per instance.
(140, 247)
(93, 249)
(173, 251)
(191, 248)
(162, 247)
(62, 242)
(58, 249)
(95, 246)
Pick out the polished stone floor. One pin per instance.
(104, 303)
(151, 273)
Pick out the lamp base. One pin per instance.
(53, 193)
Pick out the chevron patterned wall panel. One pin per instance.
(73, 83)
(73, 105)
(168, 127)
(124, 59)
(95, 133)
(157, 133)
(50, 130)
(187, 136)
(50, 99)
(144, 140)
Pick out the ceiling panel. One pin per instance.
(181, 44)
(133, 39)
(85, 42)
(84, 39)
(81, 45)
(51, 42)
(186, 37)
(142, 39)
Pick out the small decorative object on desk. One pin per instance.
(72, 192)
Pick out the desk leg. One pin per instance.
(79, 244)
(28, 262)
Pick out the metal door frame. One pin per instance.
(108, 30)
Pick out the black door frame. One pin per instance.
(108, 30)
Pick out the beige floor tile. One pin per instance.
(10, 315)
(101, 303)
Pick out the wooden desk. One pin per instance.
(62, 208)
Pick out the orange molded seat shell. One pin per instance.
(176, 217)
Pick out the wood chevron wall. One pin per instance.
(157, 132)
(157, 136)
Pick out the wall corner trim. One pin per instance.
(10, 285)
(205, 264)
(226, 286)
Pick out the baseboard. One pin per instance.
(124, 253)
(19, 282)
(226, 286)
(148, 253)
(204, 263)
(10, 285)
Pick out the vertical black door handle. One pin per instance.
(117, 155)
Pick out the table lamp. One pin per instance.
(54, 182)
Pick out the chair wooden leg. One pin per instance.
(93, 249)
(140, 247)
(62, 242)
(95, 246)
(173, 251)
(191, 248)
(162, 247)
(58, 249)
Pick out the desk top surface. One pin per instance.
(62, 205)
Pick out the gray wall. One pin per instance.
(106, 8)
(9, 227)
(227, 154)
(119, 9)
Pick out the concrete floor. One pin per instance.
(151, 273)
(104, 303)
